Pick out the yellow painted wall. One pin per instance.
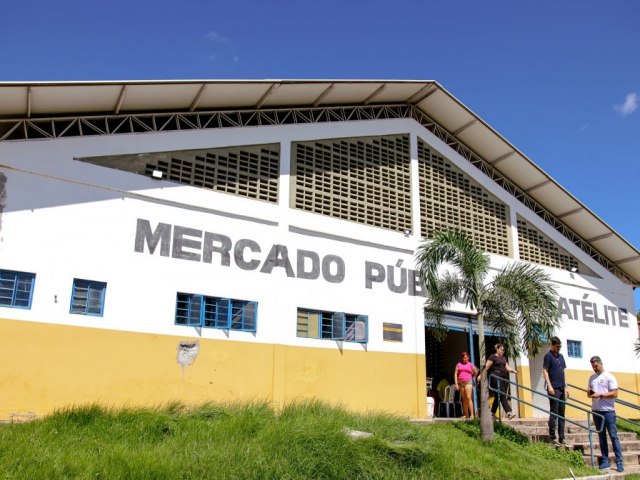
(46, 366)
(524, 378)
(628, 381)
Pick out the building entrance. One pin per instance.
(442, 357)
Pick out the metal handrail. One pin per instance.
(589, 413)
(629, 391)
(617, 400)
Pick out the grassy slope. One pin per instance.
(252, 442)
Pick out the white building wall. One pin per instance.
(67, 219)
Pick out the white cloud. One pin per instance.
(216, 37)
(629, 106)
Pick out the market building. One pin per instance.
(254, 240)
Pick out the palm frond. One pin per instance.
(502, 318)
(529, 299)
(457, 249)
(443, 292)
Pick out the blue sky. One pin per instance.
(559, 79)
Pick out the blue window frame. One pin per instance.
(574, 348)
(214, 312)
(87, 297)
(332, 325)
(16, 289)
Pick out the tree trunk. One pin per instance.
(486, 422)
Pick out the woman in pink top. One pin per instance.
(463, 378)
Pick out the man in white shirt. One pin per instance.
(603, 391)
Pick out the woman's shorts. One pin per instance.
(463, 384)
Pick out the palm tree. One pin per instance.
(519, 302)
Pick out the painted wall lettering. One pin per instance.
(587, 311)
(195, 245)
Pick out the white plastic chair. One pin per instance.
(449, 403)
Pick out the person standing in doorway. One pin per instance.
(463, 377)
(553, 367)
(603, 391)
(498, 367)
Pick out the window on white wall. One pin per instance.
(332, 325)
(574, 348)
(16, 289)
(87, 297)
(214, 312)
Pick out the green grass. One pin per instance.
(251, 441)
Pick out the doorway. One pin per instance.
(442, 356)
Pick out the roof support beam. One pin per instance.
(422, 94)
(600, 237)
(464, 127)
(537, 186)
(28, 102)
(323, 94)
(368, 100)
(501, 158)
(123, 92)
(196, 99)
(267, 94)
(570, 212)
(628, 259)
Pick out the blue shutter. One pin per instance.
(337, 326)
(362, 329)
(87, 297)
(250, 316)
(224, 313)
(188, 309)
(16, 289)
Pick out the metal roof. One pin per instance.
(24, 100)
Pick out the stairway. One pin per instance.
(577, 438)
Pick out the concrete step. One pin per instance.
(625, 446)
(610, 474)
(576, 438)
(583, 437)
(541, 422)
(544, 430)
(630, 459)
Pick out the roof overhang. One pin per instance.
(28, 100)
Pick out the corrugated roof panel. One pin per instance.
(443, 110)
(582, 222)
(163, 97)
(632, 268)
(71, 99)
(521, 172)
(349, 93)
(551, 197)
(295, 94)
(397, 92)
(231, 95)
(617, 250)
(13, 101)
(484, 144)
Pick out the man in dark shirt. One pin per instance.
(553, 370)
